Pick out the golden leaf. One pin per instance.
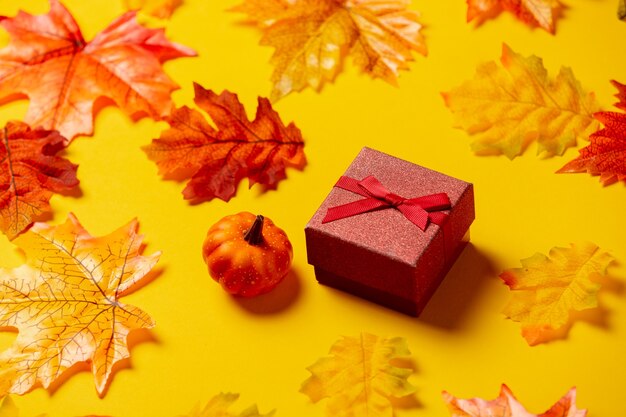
(547, 289)
(358, 378)
(507, 107)
(218, 407)
(312, 38)
(65, 303)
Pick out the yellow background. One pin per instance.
(206, 342)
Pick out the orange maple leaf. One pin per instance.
(508, 107)
(30, 172)
(313, 37)
(162, 9)
(506, 405)
(218, 159)
(540, 13)
(49, 61)
(606, 155)
(547, 289)
(65, 303)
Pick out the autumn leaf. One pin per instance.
(358, 378)
(606, 155)
(162, 9)
(30, 173)
(49, 61)
(219, 406)
(217, 159)
(541, 13)
(548, 288)
(65, 303)
(506, 405)
(507, 107)
(313, 37)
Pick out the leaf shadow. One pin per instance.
(452, 301)
(408, 402)
(276, 301)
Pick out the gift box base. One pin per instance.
(394, 302)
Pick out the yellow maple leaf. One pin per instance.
(65, 303)
(162, 9)
(358, 378)
(507, 107)
(547, 289)
(312, 38)
(219, 406)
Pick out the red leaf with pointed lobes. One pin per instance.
(30, 173)
(216, 159)
(606, 155)
(49, 61)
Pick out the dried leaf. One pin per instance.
(30, 172)
(547, 289)
(218, 159)
(358, 378)
(507, 107)
(65, 303)
(162, 9)
(606, 155)
(313, 37)
(506, 405)
(219, 406)
(49, 61)
(541, 13)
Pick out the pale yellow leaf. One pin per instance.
(548, 288)
(506, 107)
(358, 378)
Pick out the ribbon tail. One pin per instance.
(352, 209)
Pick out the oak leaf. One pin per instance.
(358, 378)
(219, 406)
(506, 405)
(541, 13)
(65, 303)
(507, 107)
(162, 9)
(606, 155)
(49, 61)
(547, 289)
(217, 159)
(30, 173)
(313, 37)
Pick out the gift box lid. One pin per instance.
(387, 232)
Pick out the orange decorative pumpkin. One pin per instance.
(247, 254)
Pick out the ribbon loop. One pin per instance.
(420, 211)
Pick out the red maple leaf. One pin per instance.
(606, 154)
(217, 159)
(30, 173)
(63, 75)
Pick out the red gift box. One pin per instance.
(371, 243)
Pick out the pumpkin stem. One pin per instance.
(254, 235)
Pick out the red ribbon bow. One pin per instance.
(420, 211)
